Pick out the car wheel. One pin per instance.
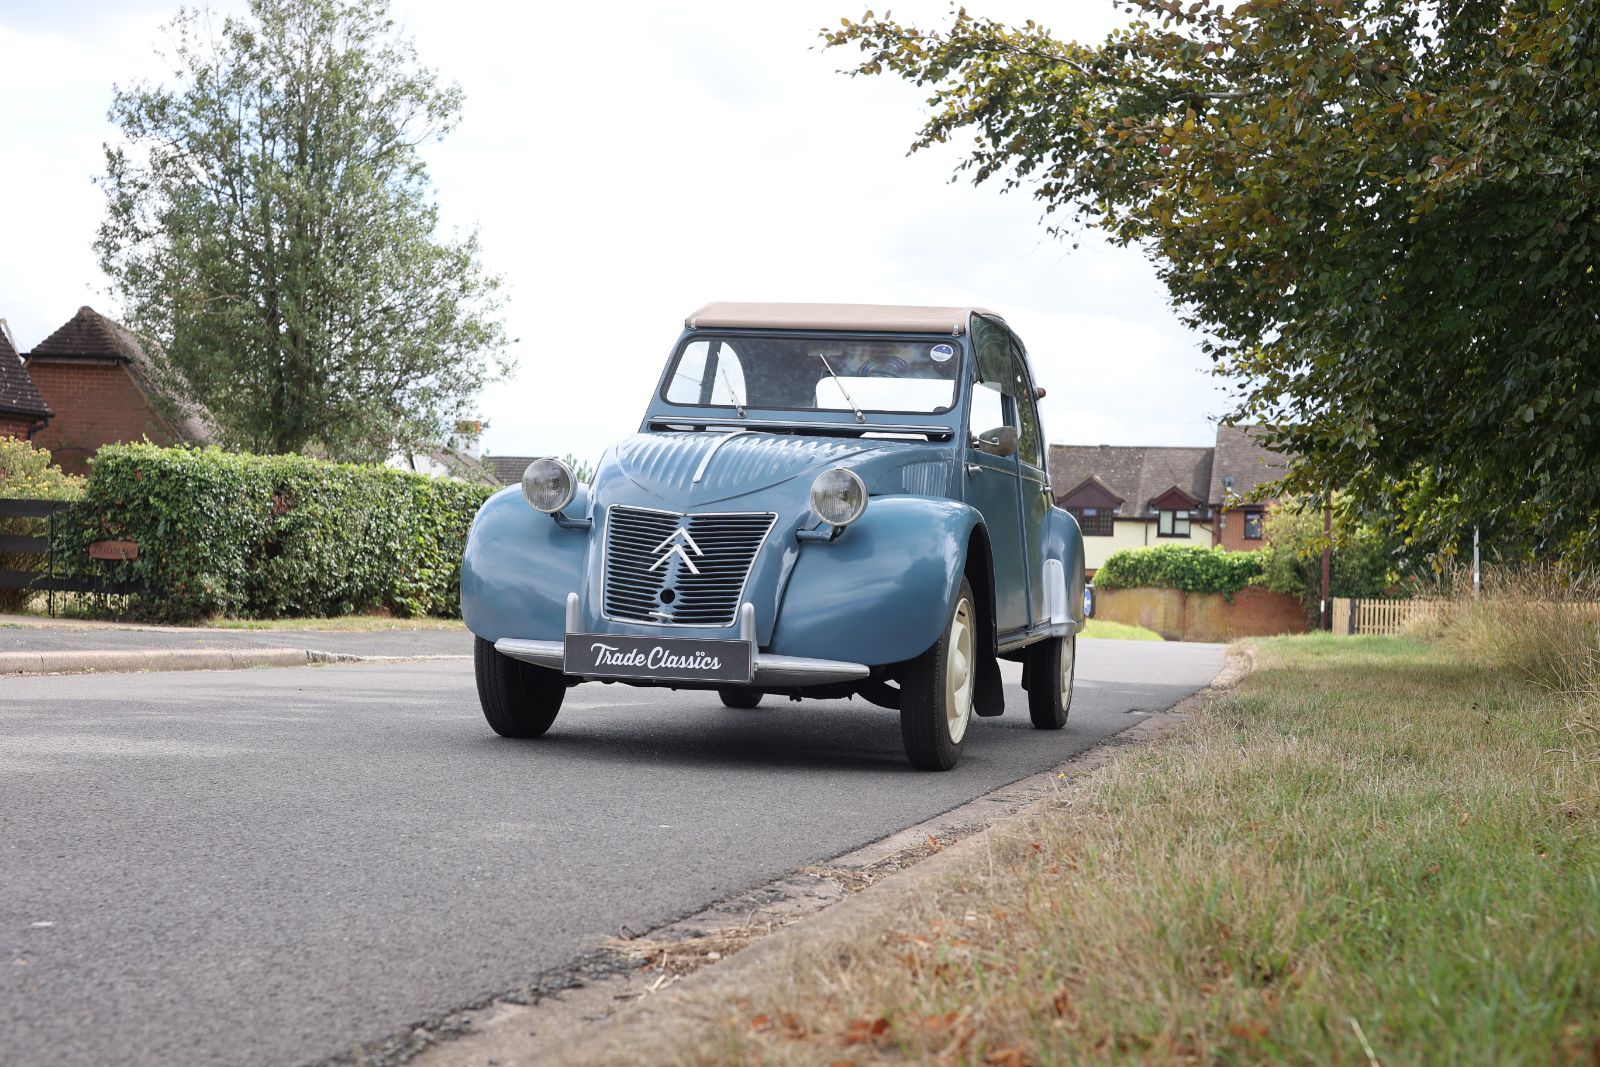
(936, 691)
(1051, 665)
(740, 698)
(519, 699)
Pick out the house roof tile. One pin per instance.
(1241, 457)
(1136, 473)
(18, 394)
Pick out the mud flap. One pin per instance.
(990, 698)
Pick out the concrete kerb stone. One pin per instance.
(107, 661)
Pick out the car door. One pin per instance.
(1033, 481)
(991, 480)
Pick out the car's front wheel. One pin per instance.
(1051, 665)
(740, 698)
(936, 691)
(519, 699)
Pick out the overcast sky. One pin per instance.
(626, 164)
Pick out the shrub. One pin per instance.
(27, 473)
(270, 536)
(1187, 567)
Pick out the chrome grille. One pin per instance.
(684, 570)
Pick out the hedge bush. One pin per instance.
(224, 533)
(1187, 567)
(26, 473)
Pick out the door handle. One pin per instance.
(973, 468)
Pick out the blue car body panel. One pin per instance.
(879, 593)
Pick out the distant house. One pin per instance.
(508, 469)
(23, 411)
(104, 388)
(1241, 465)
(1128, 496)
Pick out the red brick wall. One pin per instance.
(1179, 616)
(15, 426)
(1231, 534)
(95, 404)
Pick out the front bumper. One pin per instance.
(771, 671)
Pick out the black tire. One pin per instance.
(519, 699)
(1050, 681)
(740, 698)
(927, 704)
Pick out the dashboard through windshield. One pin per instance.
(815, 374)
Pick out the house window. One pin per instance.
(1172, 524)
(1252, 526)
(1095, 522)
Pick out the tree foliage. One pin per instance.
(1382, 215)
(269, 223)
(1365, 557)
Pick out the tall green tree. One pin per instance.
(269, 222)
(1382, 215)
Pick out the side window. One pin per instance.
(1028, 443)
(989, 408)
(708, 373)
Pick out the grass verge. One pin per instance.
(1372, 852)
(1120, 631)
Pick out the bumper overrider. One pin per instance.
(677, 661)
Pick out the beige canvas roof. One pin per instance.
(877, 318)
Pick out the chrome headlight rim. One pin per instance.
(548, 485)
(823, 496)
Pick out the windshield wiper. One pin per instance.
(848, 398)
(738, 404)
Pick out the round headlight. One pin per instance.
(548, 484)
(838, 496)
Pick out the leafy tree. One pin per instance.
(269, 224)
(1384, 216)
(1365, 558)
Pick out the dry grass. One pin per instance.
(1540, 621)
(1373, 852)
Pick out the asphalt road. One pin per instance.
(270, 867)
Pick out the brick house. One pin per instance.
(23, 411)
(104, 388)
(1240, 466)
(1130, 496)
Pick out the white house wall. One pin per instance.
(1133, 533)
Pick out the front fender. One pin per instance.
(883, 591)
(519, 567)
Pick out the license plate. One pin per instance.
(670, 659)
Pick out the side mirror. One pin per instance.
(1000, 441)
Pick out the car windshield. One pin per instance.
(815, 374)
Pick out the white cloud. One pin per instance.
(623, 170)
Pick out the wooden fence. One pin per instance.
(1369, 615)
(49, 578)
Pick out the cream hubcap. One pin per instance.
(1069, 649)
(958, 672)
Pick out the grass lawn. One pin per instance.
(1119, 630)
(1369, 853)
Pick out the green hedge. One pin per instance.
(223, 533)
(1187, 567)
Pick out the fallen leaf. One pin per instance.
(1007, 1057)
(1464, 817)
(1248, 1031)
(760, 1022)
(864, 1031)
(1061, 1002)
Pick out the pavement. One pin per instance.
(29, 645)
(277, 867)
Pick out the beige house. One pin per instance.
(1133, 496)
